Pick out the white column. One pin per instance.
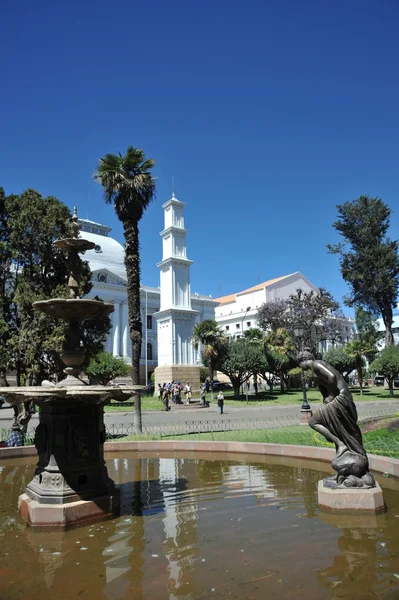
(116, 321)
(125, 329)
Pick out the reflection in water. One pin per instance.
(189, 526)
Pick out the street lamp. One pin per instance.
(242, 334)
(299, 333)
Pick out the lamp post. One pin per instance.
(242, 333)
(306, 411)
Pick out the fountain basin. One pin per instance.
(200, 525)
(74, 309)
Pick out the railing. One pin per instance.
(241, 428)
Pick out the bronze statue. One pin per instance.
(336, 419)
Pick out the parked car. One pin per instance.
(2, 401)
(222, 385)
(379, 380)
(396, 382)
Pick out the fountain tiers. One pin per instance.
(71, 483)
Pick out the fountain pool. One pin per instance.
(193, 527)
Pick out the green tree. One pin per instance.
(35, 270)
(280, 351)
(317, 314)
(104, 367)
(239, 357)
(256, 336)
(368, 258)
(387, 364)
(129, 185)
(212, 340)
(340, 359)
(365, 343)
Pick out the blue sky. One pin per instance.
(266, 113)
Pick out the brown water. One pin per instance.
(193, 529)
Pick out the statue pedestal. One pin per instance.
(369, 500)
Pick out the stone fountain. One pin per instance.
(71, 483)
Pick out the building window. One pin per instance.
(227, 327)
(149, 351)
(102, 277)
(248, 323)
(97, 249)
(149, 321)
(237, 326)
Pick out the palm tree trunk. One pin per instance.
(132, 263)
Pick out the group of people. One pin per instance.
(174, 390)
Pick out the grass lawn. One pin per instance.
(379, 440)
(267, 399)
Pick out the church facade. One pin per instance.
(168, 313)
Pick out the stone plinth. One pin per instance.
(361, 500)
(181, 373)
(69, 514)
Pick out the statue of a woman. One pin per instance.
(336, 419)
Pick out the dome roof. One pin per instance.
(107, 254)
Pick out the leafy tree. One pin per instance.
(212, 341)
(365, 343)
(368, 258)
(279, 351)
(129, 185)
(256, 337)
(274, 315)
(203, 374)
(317, 314)
(35, 270)
(5, 264)
(387, 364)
(104, 367)
(340, 359)
(238, 358)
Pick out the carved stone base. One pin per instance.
(306, 415)
(351, 500)
(70, 514)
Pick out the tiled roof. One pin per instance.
(260, 286)
(226, 299)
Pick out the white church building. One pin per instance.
(170, 312)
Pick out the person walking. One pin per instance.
(165, 397)
(220, 399)
(187, 391)
(203, 393)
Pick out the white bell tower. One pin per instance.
(176, 318)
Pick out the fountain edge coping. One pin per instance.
(381, 464)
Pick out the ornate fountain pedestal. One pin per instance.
(71, 483)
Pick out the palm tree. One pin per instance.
(212, 339)
(129, 185)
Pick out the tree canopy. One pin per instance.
(104, 367)
(316, 314)
(387, 364)
(368, 257)
(33, 269)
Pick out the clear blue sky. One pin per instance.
(267, 114)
